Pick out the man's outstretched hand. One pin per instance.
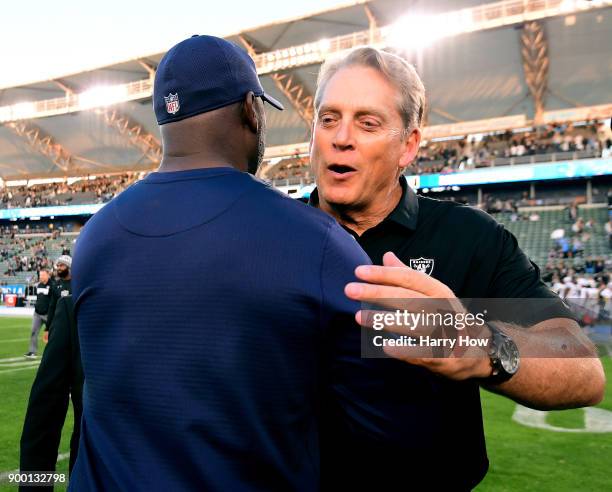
(390, 286)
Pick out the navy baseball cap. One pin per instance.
(204, 73)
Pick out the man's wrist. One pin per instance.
(504, 357)
(484, 369)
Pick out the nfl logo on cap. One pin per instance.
(172, 103)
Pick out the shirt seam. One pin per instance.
(163, 180)
(129, 231)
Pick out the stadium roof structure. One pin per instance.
(486, 67)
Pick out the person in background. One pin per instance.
(59, 378)
(61, 287)
(41, 308)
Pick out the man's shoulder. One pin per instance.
(454, 213)
(304, 222)
(301, 214)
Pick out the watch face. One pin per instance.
(509, 356)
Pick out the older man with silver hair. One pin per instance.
(417, 420)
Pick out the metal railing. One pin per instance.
(70, 103)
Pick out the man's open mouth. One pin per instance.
(341, 168)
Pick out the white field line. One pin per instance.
(13, 359)
(14, 340)
(23, 363)
(18, 369)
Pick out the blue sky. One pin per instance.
(42, 39)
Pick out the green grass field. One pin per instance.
(522, 458)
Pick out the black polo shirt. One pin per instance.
(401, 424)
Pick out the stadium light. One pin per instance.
(567, 6)
(102, 96)
(575, 5)
(23, 110)
(324, 45)
(414, 32)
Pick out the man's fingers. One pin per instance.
(381, 295)
(392, 322)
(403, 277)
(453, 368)
(389, 259)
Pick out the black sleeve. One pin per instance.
(516, 277)
(52, 305)
(48, 402)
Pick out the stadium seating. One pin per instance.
(552, 143)
(534, 237)
(53, 251)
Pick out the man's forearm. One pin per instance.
(559, 367)
(555, 384)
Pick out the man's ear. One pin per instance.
(412, 142)
(249, 114)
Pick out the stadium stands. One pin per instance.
(25, 250)
(22, 256)
(86, 190)
(555, 142)
(550, 143)
(534, 236)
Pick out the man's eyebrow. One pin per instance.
(371, 112)
(361, 111)
(327, 108)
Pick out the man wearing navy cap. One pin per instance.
(209, 377)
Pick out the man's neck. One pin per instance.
(175, 160)
(360, 220)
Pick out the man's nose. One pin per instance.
(344, 138)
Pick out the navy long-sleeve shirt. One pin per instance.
(206, 304)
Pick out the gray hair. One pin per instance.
(399, 72)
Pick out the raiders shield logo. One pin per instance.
(424, 265)
(172, 103)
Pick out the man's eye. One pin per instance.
(326, 120)
(369, 124)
